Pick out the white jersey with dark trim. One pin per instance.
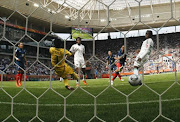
(78, 51)
(146, 48)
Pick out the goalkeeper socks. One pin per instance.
(66, 82)
(136, 71)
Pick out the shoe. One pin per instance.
(122, 79)
(17, 84)
(69, 88)
(112, 82)
(77, 84)
(85, 83)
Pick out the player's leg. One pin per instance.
(77, 67)
(21, 73)
(62, 72)
(83, 65)
(67, 84)
(69, 70)
(17, 78)
(114, 75)
(118, 65)
(136, 66)
(20, 79)
(120, 70)
(18, 75)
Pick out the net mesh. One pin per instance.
(39, 61)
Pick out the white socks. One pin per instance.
(83, 77)
(136, 71)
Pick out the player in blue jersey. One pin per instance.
(111, 60)
(120, 62)
(122, 58)
(20, 61)
(115, 65)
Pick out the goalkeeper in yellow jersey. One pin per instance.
(62, 69)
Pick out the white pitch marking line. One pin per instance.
(121, 84)
(108, 104)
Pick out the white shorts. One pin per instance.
(80, 64)
(140, 63)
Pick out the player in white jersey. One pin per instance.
(79, 50)
(144, 53)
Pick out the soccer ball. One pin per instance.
(134, 80)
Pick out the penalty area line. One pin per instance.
(108, 104)
(121, 84)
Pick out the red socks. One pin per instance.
(115, 75)
(119, 76)
(20, 77)
(17, 78)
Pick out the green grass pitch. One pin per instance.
(111, 105)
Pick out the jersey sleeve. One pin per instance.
(72, 49)
(148, 47)
(51, 50)
(84, 49)
(68, 53)
(16, 52)
(107, 58)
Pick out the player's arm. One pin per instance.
(68, 53)
(146, 51)
(72, 50)
(25, 60)
(17, 59)
(116, 57)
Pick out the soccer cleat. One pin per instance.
(17, 84)
(122, 79)
(77, 84)
(69, 88)
(84, 81)
(112, 82)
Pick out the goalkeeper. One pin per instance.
(62, 69)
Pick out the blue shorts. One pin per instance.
(20, 65)
(113, 67)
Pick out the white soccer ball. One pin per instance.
(61, 79)
(134, 80)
